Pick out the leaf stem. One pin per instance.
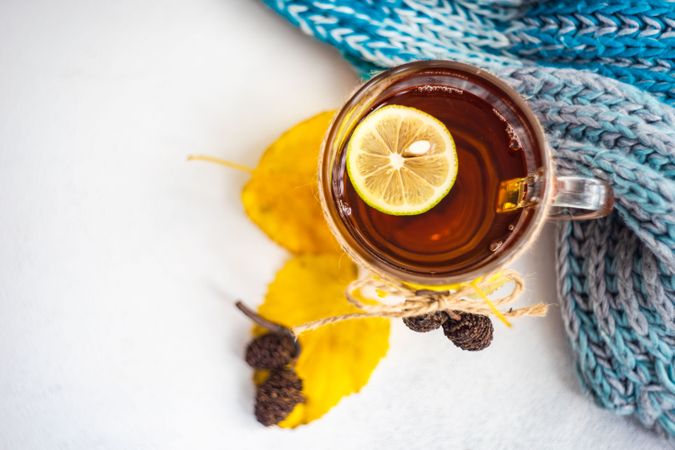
(261, 321)
(222, 162)
(486, 299)
(269, 325)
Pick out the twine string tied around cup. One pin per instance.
(472, 297)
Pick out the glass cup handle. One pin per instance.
(580, 198)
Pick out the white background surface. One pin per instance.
(120, 261)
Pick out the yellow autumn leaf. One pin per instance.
(282, 195)
(335, 360)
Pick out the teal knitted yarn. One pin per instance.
(600, 76)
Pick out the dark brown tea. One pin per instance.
(465, 230)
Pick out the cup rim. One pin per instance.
(381, 268)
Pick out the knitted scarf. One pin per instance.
(600, 76)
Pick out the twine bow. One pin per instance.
(468, 297)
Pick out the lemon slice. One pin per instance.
(401, 161)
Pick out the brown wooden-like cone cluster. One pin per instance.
(470, 332)
(467, 331)
(271, 350)
(277, 396)
(282, 390)
(425, 322)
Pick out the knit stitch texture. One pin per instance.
(599, 74)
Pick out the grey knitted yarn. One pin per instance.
(616, 275)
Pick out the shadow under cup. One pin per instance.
(473, 104)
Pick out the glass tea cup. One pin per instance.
(506, 186)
